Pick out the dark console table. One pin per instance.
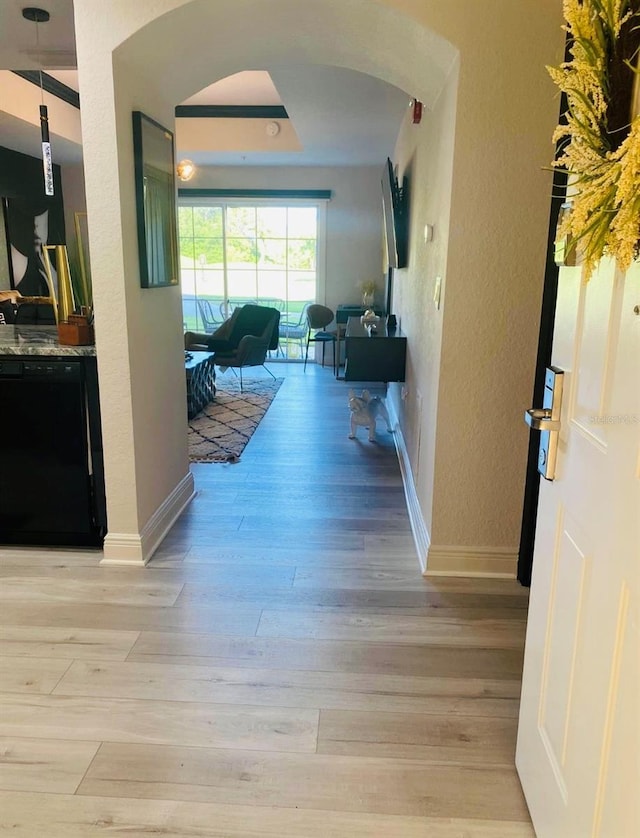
(343, 313)
(379, 356)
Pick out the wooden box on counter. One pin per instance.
(76, 331)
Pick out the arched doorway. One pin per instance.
(136, 59)
(149, 72)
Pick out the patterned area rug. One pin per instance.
(220, 432)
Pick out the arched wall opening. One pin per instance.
(225, 37)
(151, 55)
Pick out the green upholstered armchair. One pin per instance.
(242, 341)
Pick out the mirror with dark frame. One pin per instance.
(155, 202)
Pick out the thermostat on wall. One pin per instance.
(273, 129)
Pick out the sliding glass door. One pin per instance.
(234, 252)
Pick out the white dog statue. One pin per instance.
(365, 409)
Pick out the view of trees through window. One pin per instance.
(235, 253)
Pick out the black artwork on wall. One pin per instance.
(31, 219)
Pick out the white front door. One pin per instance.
(579, 731)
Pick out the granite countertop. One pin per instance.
(37, 340)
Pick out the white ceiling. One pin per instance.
(18, 36)
(251, 87)
(342, 118)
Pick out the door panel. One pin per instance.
(598, 323)
(578, 732)
(613, 815)
(566, 603)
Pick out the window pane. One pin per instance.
(210, 284)
(185, 222)
(241, 221)
(241, 252)
(187, 277)
(273, 252)
(241, 284)
(208, 252)
(207, 221)
(185, 239)
(302, 254)
(190, 316)
(272, 222)
(272, 287)
(264, 253)
(302, 222)
(302, 285)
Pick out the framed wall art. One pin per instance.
(154, 166)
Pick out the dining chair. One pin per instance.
(318, 318)
(295, 329)
(209, 315)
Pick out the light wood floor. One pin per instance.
(280, 669)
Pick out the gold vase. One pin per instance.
(61, 290)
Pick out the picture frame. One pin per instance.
(85, 285)
(154, 169)
(29, 228)
(5, 260)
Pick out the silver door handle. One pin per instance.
(547, 420)
(540, 419)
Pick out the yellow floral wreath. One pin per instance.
(600, 142)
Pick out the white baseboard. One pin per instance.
(136, 549)
(492, 562)
(416, 519)
(123, 549)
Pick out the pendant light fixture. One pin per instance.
(38, 16)
(185, 170)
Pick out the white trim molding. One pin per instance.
(418, 526)
(136, 549)
(494, 562)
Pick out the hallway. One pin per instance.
(281, 668)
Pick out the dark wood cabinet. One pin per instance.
(51, 471)
(374, 356)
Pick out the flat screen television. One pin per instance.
(394, 207)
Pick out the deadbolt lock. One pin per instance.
(547, 421)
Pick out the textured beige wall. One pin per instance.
(425, 154)
(471, 475)
(499, 210)
(138, 331)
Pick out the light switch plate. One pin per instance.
(436, 292)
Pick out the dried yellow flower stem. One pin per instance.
(605, 213)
